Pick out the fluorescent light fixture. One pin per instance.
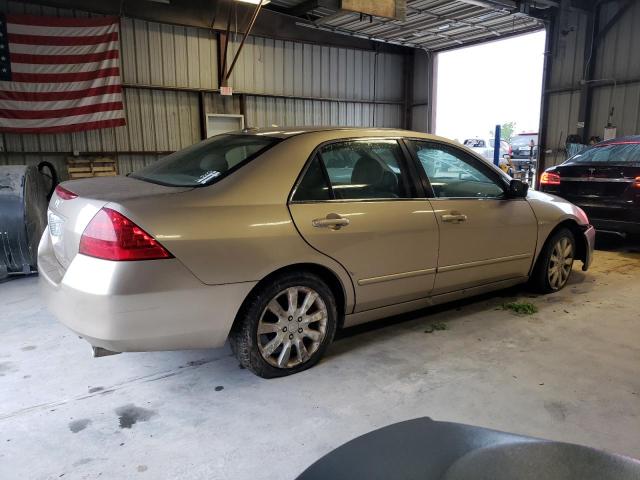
(255, 2)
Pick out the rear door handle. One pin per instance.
(332, 221)
(454, 217)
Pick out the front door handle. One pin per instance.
(332, 221)
(454, 217)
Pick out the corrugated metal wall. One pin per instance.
(305, 84)
(616, 60)
(165, 68)
(424, 65)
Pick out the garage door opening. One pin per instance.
(497, 83)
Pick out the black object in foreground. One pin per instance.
(428, 450)
(23, 215)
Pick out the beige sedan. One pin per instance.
(274, 239)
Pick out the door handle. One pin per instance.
(332, 221)
(454, 217)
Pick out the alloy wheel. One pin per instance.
(560, 263)
(292, 327)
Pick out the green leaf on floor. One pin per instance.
(521, 308)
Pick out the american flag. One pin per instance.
(59, 74)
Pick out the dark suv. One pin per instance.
(604, 180)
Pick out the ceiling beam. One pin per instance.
(502, 5)
(310, 5)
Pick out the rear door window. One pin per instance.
(355, 170)
(367, 169)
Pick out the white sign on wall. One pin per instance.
(218, 123)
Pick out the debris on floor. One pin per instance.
(521, 308)
(436, 326)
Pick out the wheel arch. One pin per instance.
(578, 234)
(326, 274)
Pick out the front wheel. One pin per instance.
(285, 326)
(555, 262)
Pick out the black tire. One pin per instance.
(540, 278)
(244, 334)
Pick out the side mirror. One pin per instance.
(517, 189)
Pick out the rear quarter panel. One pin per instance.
(239, 229)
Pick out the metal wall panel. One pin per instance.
(172, 57)
(265, 111)
(157, 120)
(168, 55)
(625, 100)
(278, 67)
(617, 66)
(422, 89)
(617, 56)
(562, 121)
(568, 56)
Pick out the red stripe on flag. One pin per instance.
(55, 96)
(60, 59)
(77, 127)
(64, 77)
(63, 112)
(60, 21)
(61, 41)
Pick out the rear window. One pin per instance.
(206, 162)
(620, 154)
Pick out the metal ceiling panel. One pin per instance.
(429, 24)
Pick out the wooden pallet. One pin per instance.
(86, 167)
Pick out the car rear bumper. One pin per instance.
(138, 306)
(617, 226)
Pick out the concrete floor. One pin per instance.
(570, 372)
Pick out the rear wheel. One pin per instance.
(555, 262)
(285, 326)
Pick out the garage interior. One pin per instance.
(568, 372)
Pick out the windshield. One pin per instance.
(621, 154)
(205, 162)
(522, 140)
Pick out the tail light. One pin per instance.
(65, 194)
(548, 178)
(636, 184)
(112, 236)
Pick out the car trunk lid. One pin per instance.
(69, 217)
(604, 191)
(599, 183)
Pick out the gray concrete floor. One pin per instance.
(570, 372)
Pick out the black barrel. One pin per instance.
(23, 217)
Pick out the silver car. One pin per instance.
(274, 239)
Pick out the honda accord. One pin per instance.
(274, 239)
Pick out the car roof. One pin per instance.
(627, 139)
(287, 132)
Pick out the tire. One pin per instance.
(284, 327)
(555, 251)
